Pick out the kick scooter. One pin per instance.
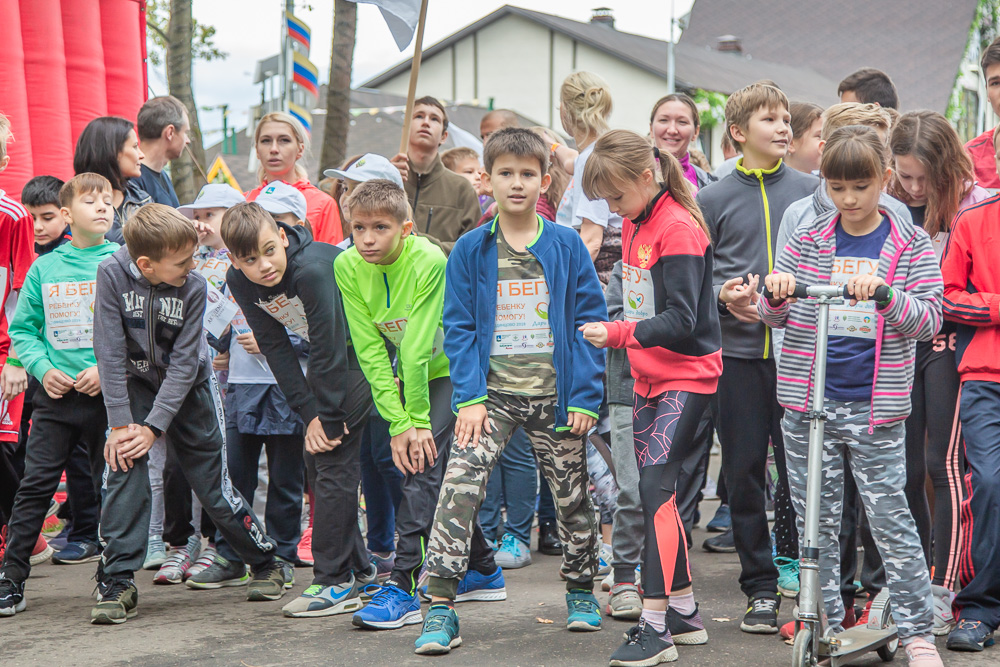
(813, 642)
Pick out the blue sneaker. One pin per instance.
(584, 612)
(788, 576)
(512, 553)
(440, 632)
(970, 636)
(77, 552)
(721, 522)
(389, 609)
(476, 587)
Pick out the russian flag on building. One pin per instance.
(298, 30)
(305, 74)
(301, 115)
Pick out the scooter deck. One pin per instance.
(858, 641)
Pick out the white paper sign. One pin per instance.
(522, 318)
(394, 330)
(637, 290)
(214, 269)
(69, 314)
(858, 321)
(289, 312)
(219, 311)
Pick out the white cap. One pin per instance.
(213, 195)
(368, 167)
(280, 197)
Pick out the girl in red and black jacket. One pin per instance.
(671, 331)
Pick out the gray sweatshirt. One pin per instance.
(618, 376)
(151, 333)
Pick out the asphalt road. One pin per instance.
(178, 626)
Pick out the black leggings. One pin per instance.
(929, 446)
(664, 427)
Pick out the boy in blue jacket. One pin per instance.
(517, 290)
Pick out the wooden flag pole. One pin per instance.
(404, 142)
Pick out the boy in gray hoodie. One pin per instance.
(153, 363)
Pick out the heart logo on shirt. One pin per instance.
(635, 299)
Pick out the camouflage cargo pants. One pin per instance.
(878, 462)
(563, 461)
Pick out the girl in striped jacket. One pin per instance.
(869, 370)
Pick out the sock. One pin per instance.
(447, 604)
(656, 620)
(683, 604)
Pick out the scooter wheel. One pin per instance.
(802, 649)
(888, 652)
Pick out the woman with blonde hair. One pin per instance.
(584, 108)
(280, 142)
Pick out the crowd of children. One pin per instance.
(581, 323)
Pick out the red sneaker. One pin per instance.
(41, 553)
(863, 620)
(787, 631)
(305, 551)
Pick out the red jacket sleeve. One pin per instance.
(978, 309)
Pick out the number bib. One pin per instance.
(858, 321)
(395, 329)
(522, 318)
(289, 312)
(637, 285)
(69, 314)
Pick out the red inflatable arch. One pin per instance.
(54, 81)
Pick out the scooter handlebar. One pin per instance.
(805, 291)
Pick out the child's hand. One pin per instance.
(248, 342)
(56, 383)
(781, 286)
(141, 442)
(595, 334)
(730, 290)
(472, 421)
(221, 362)
(744, 303)
(88, 381)
(579, 423)
(112, 454)
(401, 162)
(862, 288)
(13, 381)
(316, 440)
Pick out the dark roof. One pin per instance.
(694, 67)
(374, 132)
(918, 43)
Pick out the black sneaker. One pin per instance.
(722, 543)
(11, 597)
(968, 636)
(268, 583)
(118, 602)
(762, 615)
(686, 630)
(644, 646)
(220, 574)
(548, 539)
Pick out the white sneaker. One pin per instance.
(156, 553)
(203, 562)
(944, 620)
(609, 581)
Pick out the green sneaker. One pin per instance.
(584, 611)
(119, 599)
(268, 583)
(788, 576)
(220, 574)
(440, 632)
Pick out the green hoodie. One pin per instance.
(404, 302)
(53, 326)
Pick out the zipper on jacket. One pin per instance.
(385, 277)
(416, 194)
(770, 251)
(149, 333)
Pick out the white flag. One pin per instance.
(400, 15)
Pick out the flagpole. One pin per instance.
(404, 142)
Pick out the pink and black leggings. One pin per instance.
(664, 429)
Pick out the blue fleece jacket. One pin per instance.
(575, 298)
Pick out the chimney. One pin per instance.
(729, 44)
(603, 16)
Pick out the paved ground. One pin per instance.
(180, 626)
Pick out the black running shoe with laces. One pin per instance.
(762, 615)
(686, 630)
(644, 647)
(11, 597)
(267, 583)
(119, 599)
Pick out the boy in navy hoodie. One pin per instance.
(517, 290)
(743, 213)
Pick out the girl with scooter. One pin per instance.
(671, 331)
(869, 369)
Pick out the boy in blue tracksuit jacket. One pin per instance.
(517, 290)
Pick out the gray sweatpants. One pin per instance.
(878, 463)
(627, 531)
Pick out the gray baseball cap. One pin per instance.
(280, 197)
(368, 167)
(213, 195)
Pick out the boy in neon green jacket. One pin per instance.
(53, 334)
(392, 284)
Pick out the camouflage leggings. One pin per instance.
(878, 462)
(563, 462)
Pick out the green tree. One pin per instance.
(179, 40)
(338, 94)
